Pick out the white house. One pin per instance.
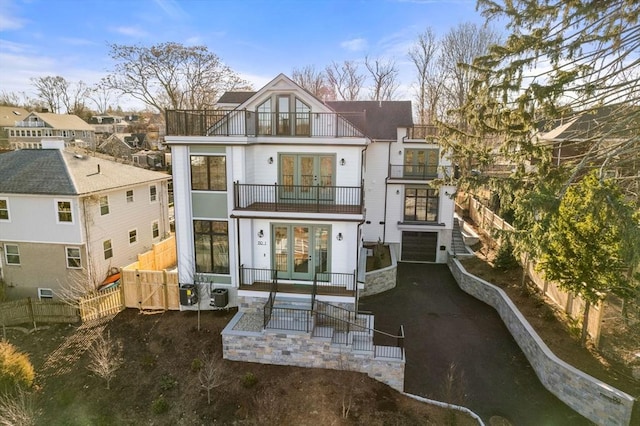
(27, 132)
(65, 215)
(281, 189)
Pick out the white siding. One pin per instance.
(183, 215)
(375, 174)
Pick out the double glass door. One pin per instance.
(306, 176)
(299, 251)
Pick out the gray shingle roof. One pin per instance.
(235, 97)
(382, 119)
(55, 172)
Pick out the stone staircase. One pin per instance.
(457, 242)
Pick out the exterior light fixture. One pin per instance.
(342, 162)
(339, 236)
(260, 233)
(270, 160)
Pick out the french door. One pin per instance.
(300, 250)
(306, 176)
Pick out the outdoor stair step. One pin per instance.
(323, 332)
(340, 337)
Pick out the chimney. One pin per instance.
(52, 144)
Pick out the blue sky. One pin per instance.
(257, 39)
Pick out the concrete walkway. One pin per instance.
(445, 326)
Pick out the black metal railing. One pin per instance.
(286, 318)
(268, 307)
(250, 276)
(419, 172)
(251, 123)
(303, 198)
(423, 131)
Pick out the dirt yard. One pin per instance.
(158, 382)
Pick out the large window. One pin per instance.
(211, 239)
(73, 258)
(209, 173)
(4, 209)
(64, 211)
(288, 114)
(104, 205)
(420, 205)
(11, 254)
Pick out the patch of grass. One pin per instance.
(160, 405)
(148, 362)
(167, 382)
(196, 365)
(16, 371)
(249, 380)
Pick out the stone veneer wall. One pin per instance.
(381, 280)
(301, 350)
(595, 400)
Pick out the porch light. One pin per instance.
(342, 162)
(260, 233)
(339, 236)
(270, 160)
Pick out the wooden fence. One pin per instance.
(572, 305)
(28, 311)
(150, 289)
(100, 304)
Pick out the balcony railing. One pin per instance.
(30, 124)
(324, 283)
(298, 198)
(251, 123)
(423, 131)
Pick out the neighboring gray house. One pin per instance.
(124, 145)
(27, 132)
(64, 215)
(8, 117)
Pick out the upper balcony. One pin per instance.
(299, 198)
(422, 132)
(252, 124)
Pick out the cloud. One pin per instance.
(172, 9)
(8, 20)
(354, 45)
(130, 31)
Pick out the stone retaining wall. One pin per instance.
(595, 400)
(381, 280)
(301, 350)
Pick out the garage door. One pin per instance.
(419, 246)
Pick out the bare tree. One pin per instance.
(429, 83)
(345, 80)
(50, 90)
(384, 75)
(18, 409)
(105, 357)
(460, 46)
(211, 375)
(313, 81)
(16, 99)
(171, 75)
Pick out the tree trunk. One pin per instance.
(585, 323)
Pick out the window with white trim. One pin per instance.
(155, 229)
(108, 249)
(153, 193)
(64, 214)
(133, 236)
(130, 196)
(104, 205)
(45, 293)
(4, 209)
(74, 260)
(11, 254)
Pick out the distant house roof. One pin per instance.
(382, 119)
(61, 121)
(602, 121)
(235, 97)
(9, 115)
(56, 172)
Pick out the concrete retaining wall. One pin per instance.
(301, 350)
(595, 400)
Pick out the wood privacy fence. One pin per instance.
(28, 311)
(101, 304)
(150, 289)
(572, 305)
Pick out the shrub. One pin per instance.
(160, 405)
(167, 382)
(16, 370)
(196, 365)
(505, 259)
(249, 380)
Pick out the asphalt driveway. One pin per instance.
(443, 326)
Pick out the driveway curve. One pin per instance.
(446, 327)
